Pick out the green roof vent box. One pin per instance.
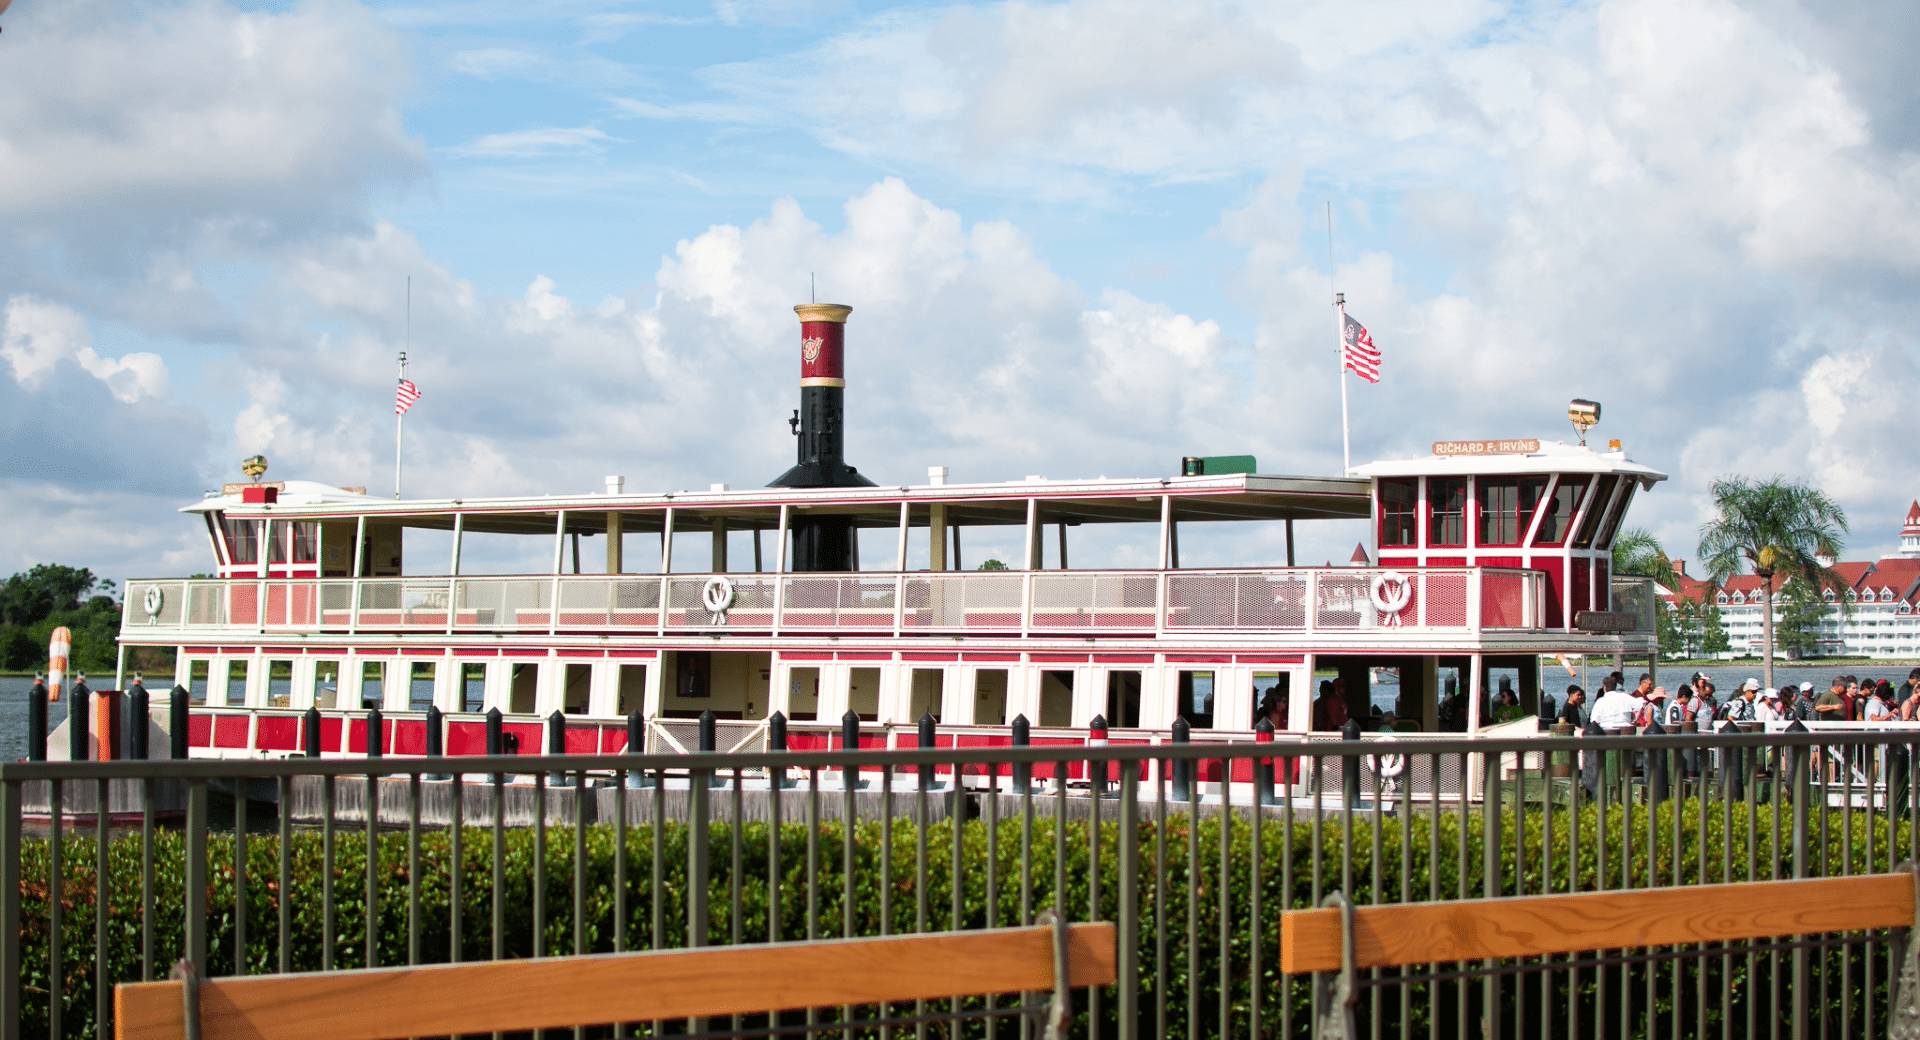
(1214, 465)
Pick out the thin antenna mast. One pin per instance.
(1340, 345)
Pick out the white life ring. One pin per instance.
(153, 600)
(1388, 766)
(1391, 592)
(717, 595)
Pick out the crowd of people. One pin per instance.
(1847, 699)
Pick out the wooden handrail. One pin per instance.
(1531, 926)
(555, 992)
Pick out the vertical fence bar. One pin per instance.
(413, 867)
(1128, 984)
(10, 961)
(102, 886)
(540, 864)
(56, 899)
(146, 881)
(456, 867)
(196, 909)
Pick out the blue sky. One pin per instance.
(1080, 238)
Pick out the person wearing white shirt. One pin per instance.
(1767, 708)
(1616, 709)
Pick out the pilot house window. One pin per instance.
(1507, 506)
(1448, 498)
(1399, 500)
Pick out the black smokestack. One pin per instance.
(821, 543)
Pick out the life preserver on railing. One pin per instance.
(1388, 766)
(1391, 592)
(153, 601)
(717, 595)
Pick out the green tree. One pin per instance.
(993, 565)
(1680, 628)
(1779, 531)
(32, 596)
(1713, 631)
(1802, 610)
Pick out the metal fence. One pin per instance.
(109, 871)
(1302, 600)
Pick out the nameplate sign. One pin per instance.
(1605, 621)
(1453, 448)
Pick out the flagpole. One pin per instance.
(1340, 345)
(399, 430)
(400, 414)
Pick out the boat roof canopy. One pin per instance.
(1549, 457)
(1226, 497)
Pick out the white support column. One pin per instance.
(265, 551)
(1474, 694)
(937, 537)
(559, 539)
(1031, 559)
(359, 553)
(1166, 528)
(906, 521)
(459, 530)
(780, 548)
(666, 548)
(616, 543)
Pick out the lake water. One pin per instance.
(13, 716)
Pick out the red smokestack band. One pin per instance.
(822, 327)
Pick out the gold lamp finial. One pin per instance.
(254, 467)
(1584, 415)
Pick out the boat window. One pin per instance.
(373, 676)
(473, 687)
(803, 694)
(1614, 516)
(579, 687)
(277, 541)
(1447, 497)
(1196, 699)
(243, 540)
(929, 689)
(306, 542)
(632, 695)
(236, 682)
(526, 685)
(420, 686)
(1560, 506)
(1398, 522)
(863, 693)
(1056, 698)
(1123, 700)
(326, 684)
(197, 682)
(279, 684)
(1596, 511)
(990, 697)
(1506, 507)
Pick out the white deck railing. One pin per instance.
(1040, 603)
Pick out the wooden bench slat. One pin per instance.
(1531, 926)
(430, 1000)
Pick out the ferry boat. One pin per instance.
(1485, 555)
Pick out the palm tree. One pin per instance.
(1637, 551)
(1778, 530)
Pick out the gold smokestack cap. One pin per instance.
(833, 312)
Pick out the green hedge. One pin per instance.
(1192, 971)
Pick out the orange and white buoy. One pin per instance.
(59, 648)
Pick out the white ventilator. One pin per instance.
(59, 648)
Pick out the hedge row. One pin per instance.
(1191, 983)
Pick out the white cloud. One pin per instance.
(39, 335)
(552, 140)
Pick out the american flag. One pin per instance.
(1362, 359)
(410, 393)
